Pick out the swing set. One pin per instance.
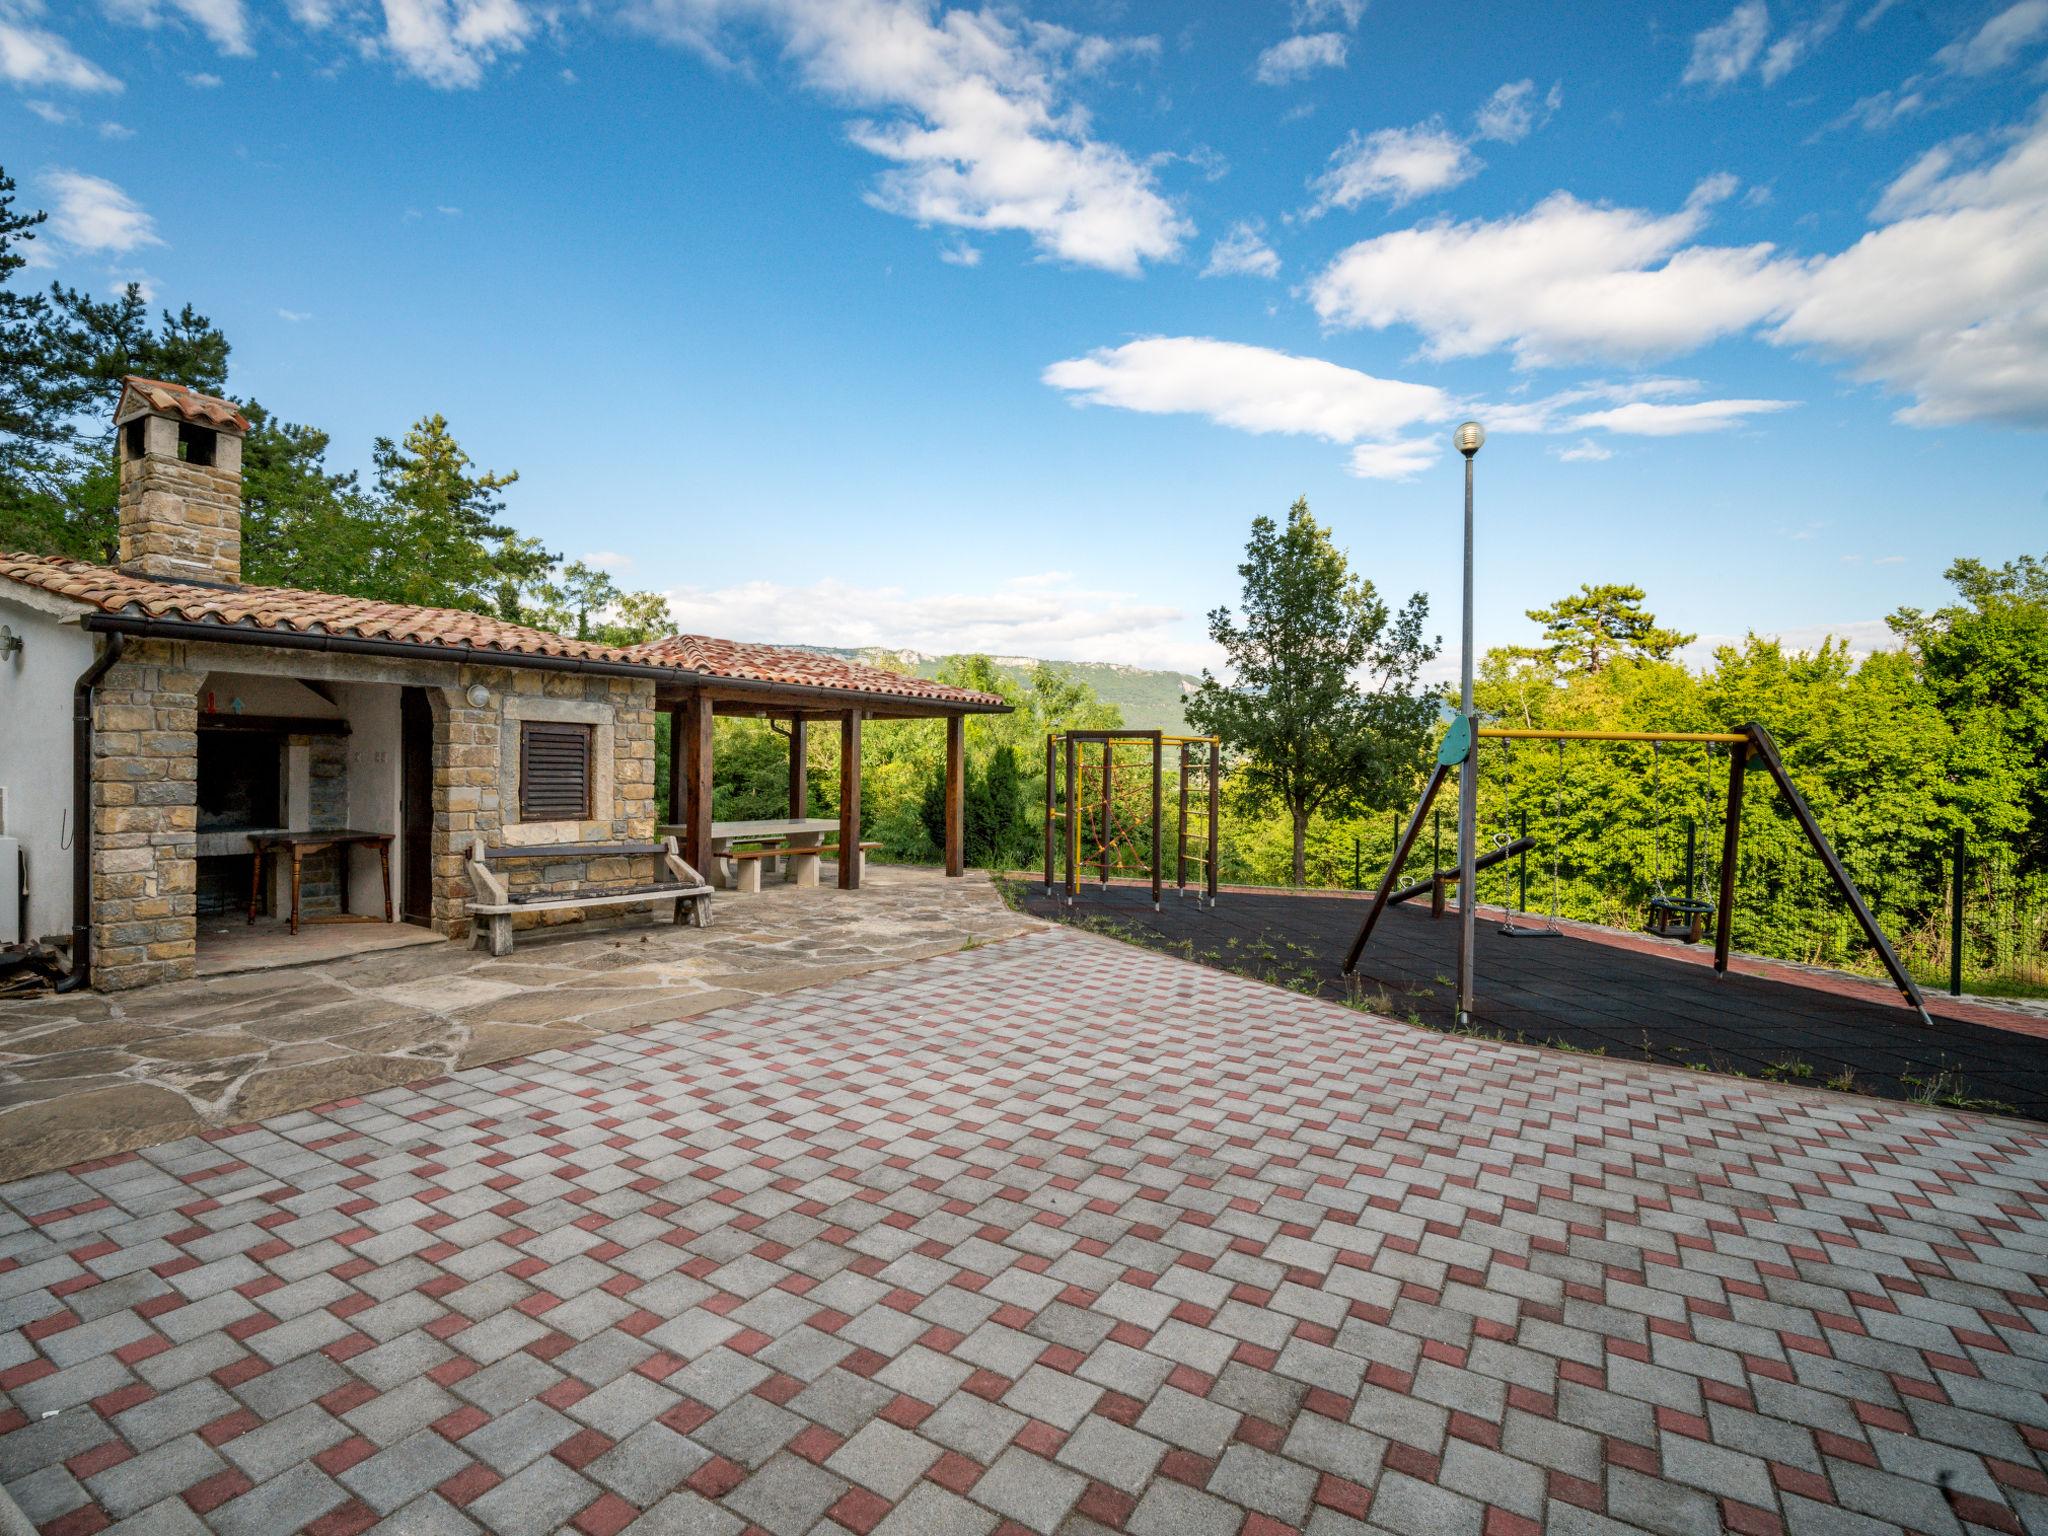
(1085, 824)
(1750, 746)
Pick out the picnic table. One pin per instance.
(296, 845)
(760, 841)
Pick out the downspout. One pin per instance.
(81, 811)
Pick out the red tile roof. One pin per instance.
(752, 662)
(287, 610)
(186, 404)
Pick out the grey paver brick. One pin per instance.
(1033, 1492)
(1111, 1453)
(1256, 1479)
(884, 1458)
(538, 1499)
(787, 1496)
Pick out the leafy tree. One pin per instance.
(1985, 659)
(1312, 739)
(30, 433)
(444, 543)
(302, 526)
(996, 826)
(1586, 630)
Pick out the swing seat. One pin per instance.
(1677, 916)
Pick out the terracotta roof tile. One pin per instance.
(748, 661)
(293, 611)
(184, 403)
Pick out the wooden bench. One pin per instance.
(803, 863)
(495, 906)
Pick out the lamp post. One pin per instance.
(1468, 439)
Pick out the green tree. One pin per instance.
(444, 543)
(1312, 739)
(1985, 659)
(1590, 628)
(302, 526)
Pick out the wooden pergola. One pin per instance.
(692, 709)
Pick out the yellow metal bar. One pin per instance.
(1729, 737)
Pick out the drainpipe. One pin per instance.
(81, 812)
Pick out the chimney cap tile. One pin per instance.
(179, 400)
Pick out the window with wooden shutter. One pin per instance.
(554, 771)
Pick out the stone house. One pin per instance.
(159, 711)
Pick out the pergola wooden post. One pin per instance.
(1051, 803)
(956, 768)
(690, 744)
(676, 787)
(849, 800)
(799, 768)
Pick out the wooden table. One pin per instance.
(786, 832)
(298, 845)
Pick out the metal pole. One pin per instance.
(1468, 786)
(1955, 923)
(1524, 901)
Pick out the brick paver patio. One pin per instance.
(1050, 1235)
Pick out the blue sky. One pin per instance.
(879, 322)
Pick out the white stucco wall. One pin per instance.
(35, 753)
(373, 788)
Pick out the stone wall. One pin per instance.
(181, 521)
(476, 787)
(145, 818)
(327, 809)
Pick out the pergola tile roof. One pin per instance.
(795, 666)
(251, 611)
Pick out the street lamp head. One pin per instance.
(1468, 438)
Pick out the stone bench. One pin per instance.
(495, 906)
(803, 863)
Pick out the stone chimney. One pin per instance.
(181, 483)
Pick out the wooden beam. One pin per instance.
(1181, 882)
(1767, 754)
(1158, 790)
(956, 772)
(1051, 754)
(1108, 804)
(849, 800)
(1379, 900)
(1731, 846)
(799, 769)
(692, 744)
(1215, 816)
(1073, 827)
(677, 788)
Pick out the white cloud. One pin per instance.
(223, 21)
(1584, 451)
(449, 43)
(1643, 418)
(1864, 637)
(1999, 41)
(606, 560)
(1398, 164)
(1722, 53)
(1313, 13)
(960, 254)
(1242, 253)
(1293, 58)
(1567, 280)
(1510, 114)
(202, 81)
(116, 131)
(91, 214)
(51, 113)
(1254, 389)
(972, 119)
(1792, 49)
(295, 316)
(1394, 461)
(34, 58)
(1045, 615)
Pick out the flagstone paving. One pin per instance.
(89, 1076)
(1055, 1235)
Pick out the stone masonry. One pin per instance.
(181, 521)
(145, 818)
(475, 797)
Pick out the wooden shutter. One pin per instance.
(554, 771)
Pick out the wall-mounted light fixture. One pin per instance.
(478, 695)
(10, 643)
